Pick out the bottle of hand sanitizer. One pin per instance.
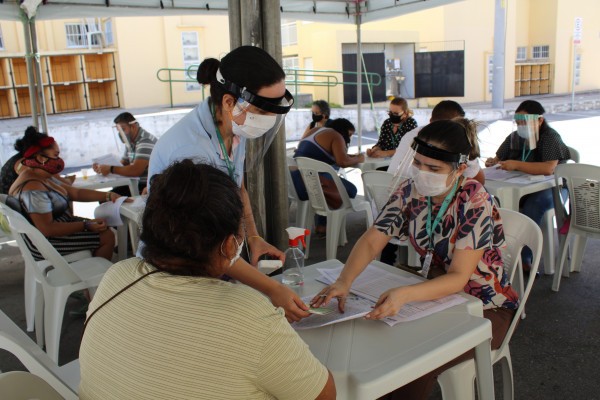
(294, 258)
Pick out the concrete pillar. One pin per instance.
(258, 23)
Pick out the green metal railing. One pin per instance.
(294, 77)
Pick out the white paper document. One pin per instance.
(356, 307)
(373, 281)
(108, 159)
(497, 174)
(110, 212)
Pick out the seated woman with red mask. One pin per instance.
(13, 167)
(45, 202)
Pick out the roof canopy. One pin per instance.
(310, 10)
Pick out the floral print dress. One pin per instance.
(470, 222)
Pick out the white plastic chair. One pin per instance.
(377, 185)
(64, 379)
(57, 285)
(457, 383)
(304, 214)
(336, 219)
(548, 228)
(30, 280)
(583, 182)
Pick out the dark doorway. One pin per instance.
(375, 62)
(440, 74)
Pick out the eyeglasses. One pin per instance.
(390, 113)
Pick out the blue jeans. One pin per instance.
(535, 206)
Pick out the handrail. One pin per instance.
(324, 78)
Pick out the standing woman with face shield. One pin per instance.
(248, 101)
(534, 148)
(453, 225)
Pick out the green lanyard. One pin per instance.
(431, 228)
(523, 156)
(230, 166)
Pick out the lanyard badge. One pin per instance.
(430, 228)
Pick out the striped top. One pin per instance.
(175, 337)
(141, 149)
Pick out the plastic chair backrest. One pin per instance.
(377, 186)
(574, 154)
(310, 170)
(20, 226)
(21, 385)
(583, 182)
(519, 231)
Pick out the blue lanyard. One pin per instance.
(523, 156)
(431, 228)
(230, 167)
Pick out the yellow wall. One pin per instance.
(144, 44)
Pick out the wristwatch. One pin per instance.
(112, 168)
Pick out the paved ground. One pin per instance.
(555, 350)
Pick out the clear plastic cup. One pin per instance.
(84, 173)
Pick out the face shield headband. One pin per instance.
(280, 105)
(429, 150)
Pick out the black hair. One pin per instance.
(533, 107)
(124, 117)
(343, 127)
(447, 135)
(31, 137)
(248, 67)
(192, 208)
(323, 106)
(447, 109)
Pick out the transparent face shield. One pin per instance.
(263, 118)
(121, 139)
(528, 129)
(405, 167)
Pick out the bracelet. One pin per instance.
(112, 169)
(254, 236)
(108, 196)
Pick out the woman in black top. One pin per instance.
(399, 122)
(320, 116)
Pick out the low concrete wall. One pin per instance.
(86, 135)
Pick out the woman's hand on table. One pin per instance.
(338, 290)
(114, 196)
(390, 302)
(284, 297)
(509, 165)
(259, 247)
(491, 161)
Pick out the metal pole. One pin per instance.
(30, 74)
(499, 50)
(235, 23)
(38, 76)
(358, 77)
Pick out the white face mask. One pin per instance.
(237, 253)
(430, 183)
(523, 131)
(255, 125)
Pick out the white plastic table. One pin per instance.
(369, 358)
(96, 181)
(132, 216)
(509, 193)
(372, 163)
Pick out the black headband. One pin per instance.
(264, 103)
(429, 150)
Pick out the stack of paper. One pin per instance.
(367, 288)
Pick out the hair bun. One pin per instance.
(207, 71)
